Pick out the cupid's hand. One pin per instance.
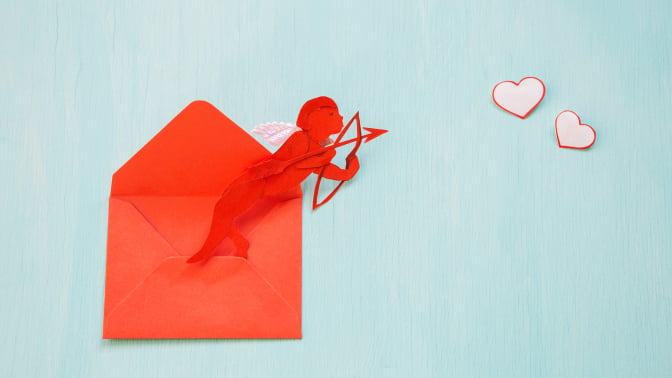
(352, 163)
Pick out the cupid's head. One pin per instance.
(320, 118)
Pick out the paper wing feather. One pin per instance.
(275, 133)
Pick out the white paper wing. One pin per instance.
(275, 133)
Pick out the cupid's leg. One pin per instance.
(233, 202)
(219, 229)
(239, 241)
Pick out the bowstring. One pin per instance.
(316, 190)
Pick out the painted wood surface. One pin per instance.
(469, 245)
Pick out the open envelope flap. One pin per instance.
(198, 153)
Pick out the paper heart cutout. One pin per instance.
(519, 98)
(572, 133)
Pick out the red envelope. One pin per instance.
(161, 207)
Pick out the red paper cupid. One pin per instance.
(306, 151)
(198, 185)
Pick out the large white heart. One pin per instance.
(519, 98)
(572, 133)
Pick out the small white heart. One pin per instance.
(519, 98)
(572, 133)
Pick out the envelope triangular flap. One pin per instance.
(198, 153)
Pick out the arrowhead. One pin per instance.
(373, 134)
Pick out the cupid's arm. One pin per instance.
(276, 163)
(321, 162)
(331, 171)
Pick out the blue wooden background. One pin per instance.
(470, 245)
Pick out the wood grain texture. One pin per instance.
(469, 245)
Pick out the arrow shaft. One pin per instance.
(322, 150)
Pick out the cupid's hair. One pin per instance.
(311, 106)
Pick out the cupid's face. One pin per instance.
(325, 122)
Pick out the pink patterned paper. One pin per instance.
(275, 133)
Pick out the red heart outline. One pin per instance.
(543, 94)
(580, 124)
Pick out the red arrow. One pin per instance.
(270, 167)
(373, 134)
